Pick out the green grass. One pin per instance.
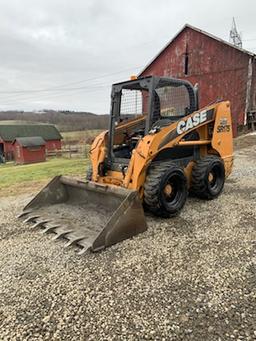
(16, 177)
(79, 135)
(11, 174)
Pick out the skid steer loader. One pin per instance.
(159, 147)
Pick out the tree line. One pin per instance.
(64, 120)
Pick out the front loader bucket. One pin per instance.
(88, 214)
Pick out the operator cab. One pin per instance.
(147, 104)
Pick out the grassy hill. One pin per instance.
(64, 120)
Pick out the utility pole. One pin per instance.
(234, 36)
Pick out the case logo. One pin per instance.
(191, 122)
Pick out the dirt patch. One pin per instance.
(23, 188)
(245, 141)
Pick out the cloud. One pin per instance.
(48, 43)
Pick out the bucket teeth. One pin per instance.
(40, 224)
(91, 215)
(24, 213)
(73, 241)
(83, 250)
(31, 218)
(49, 228)
(61, 234)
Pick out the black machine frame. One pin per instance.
(149, 84)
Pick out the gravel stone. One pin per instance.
(192, 277)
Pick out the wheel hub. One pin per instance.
(168, 189)
(210, 177)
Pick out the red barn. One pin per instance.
(222, 71)
(10, 130)
(29, 149)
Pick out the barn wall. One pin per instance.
(53, 145)
(31, 155)
(24, 155)
(18, 153)
(9, 148)
(253, 88)
(220, 70)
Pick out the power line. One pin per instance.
(50, 96)
(64, 91)
(88, 88)
(72, 91)
(62, 87)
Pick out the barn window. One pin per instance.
(186, 63)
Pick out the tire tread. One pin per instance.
(198, 185)
(152, 186)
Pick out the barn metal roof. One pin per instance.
(33, 141)
(200, 31)
(10, 131)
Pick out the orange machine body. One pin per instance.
(215, 137)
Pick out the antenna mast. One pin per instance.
(234, 36)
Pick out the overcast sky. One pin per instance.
(74, 50)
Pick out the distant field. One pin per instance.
(79, 136)
(29, 175)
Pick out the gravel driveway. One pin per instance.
(189, 278)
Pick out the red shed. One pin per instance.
(10, 130)
(29, 149)
(221, 70)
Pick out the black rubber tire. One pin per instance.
(155, 199)
(89, 173)
(201, 185)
